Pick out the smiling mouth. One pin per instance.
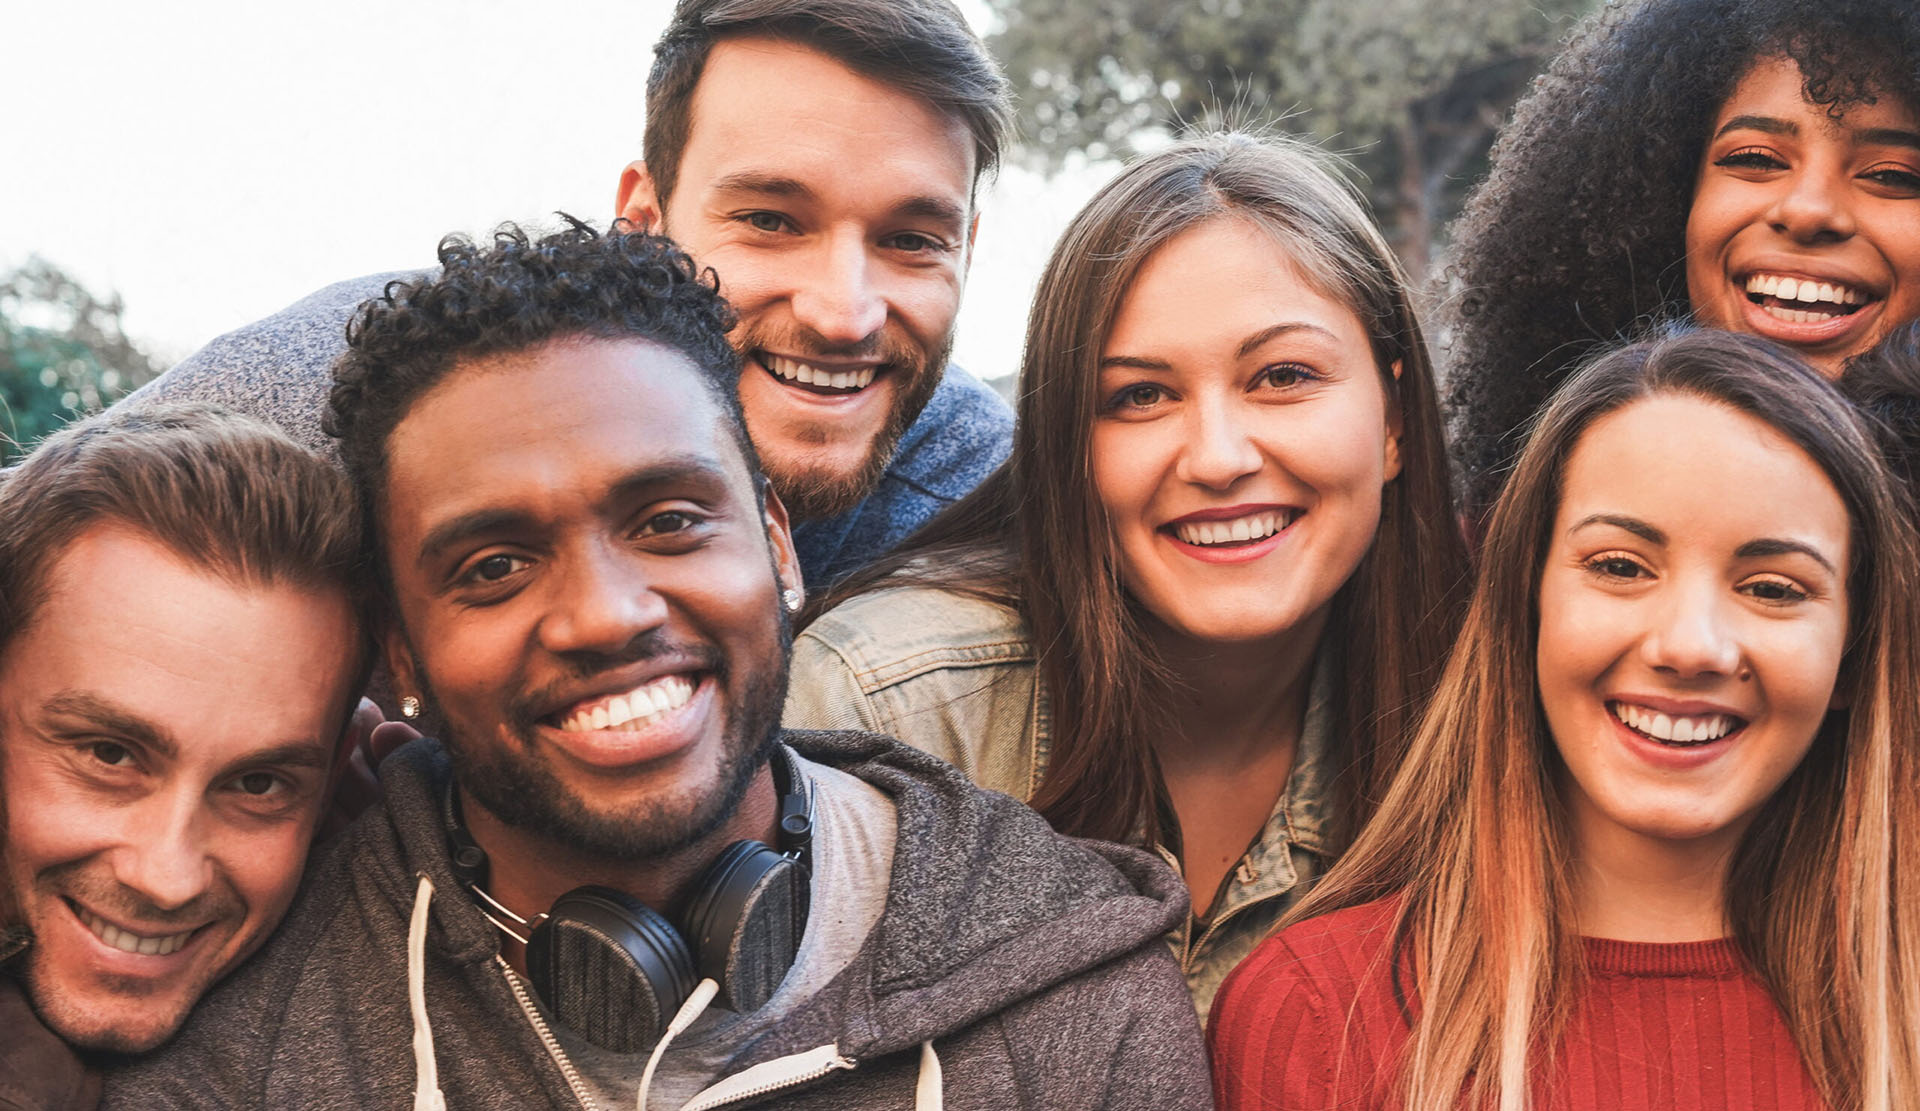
(157, 945)
(631, 711)
(1237, 532)
(1676, 730)
(1803, 301)
(819, 380)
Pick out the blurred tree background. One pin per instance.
(1410, 91)
(63, 354)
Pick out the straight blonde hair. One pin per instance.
(1824, 893)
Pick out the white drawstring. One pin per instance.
(692, 1009)
(426, 1090)
(926, 1093)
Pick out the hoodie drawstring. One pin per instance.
(692, 1009)
(426, 1088)
(926, 1093)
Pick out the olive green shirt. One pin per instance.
(956, 676)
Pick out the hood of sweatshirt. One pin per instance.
(987, 906)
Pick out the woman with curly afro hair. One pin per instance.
(1755, 163)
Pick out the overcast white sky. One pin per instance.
(214, 160)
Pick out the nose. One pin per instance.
(601, 602)
(1814, 208)
(1219, 449)
(839, 296)
(1691, 637)
(165, 859)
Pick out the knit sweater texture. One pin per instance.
(1314, 1019)
(280, 368)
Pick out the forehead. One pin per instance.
(1228, 276)
(772, 107)
(1689, 466)
(550, 428)
(225, 667)
(1774, 87)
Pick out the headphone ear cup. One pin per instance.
(746, 921)
(609, 968)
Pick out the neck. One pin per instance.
(528, 871)
(1237, 700)
(1632, 887)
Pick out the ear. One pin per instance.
(973, 233)
(786, 558)
(636, 202)
(400, 662)
(1396, 426)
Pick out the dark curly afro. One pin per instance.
(515, 294)
(1576, 239)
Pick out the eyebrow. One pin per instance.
(108, 717)
(486, 522)
(1871, 136)
(1771, 546)
(1247, 346)
(1633, 525)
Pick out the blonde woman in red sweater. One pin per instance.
(1658, 842)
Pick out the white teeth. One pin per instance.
(1674, 729)
(795, 371)
(1805, 291)
(634, 710)
(128, 942)
(1254, 526)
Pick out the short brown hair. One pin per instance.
(222, 491)
(922, 47)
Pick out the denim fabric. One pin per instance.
(964, 432)
(957, 677)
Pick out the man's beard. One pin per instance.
(811, 493)
(521, 790)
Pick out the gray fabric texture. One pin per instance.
(1031, 961)
(279, 369)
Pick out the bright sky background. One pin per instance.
(214, 160)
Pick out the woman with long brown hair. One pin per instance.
(1201, 602)
(1658, 840)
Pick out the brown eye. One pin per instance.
(111, 754)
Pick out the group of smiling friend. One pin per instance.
(663, 534)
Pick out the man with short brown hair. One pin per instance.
(824, 158)
(181, 646)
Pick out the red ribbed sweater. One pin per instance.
(1657, 1026)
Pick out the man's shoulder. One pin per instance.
(965, 431)
(278, 368)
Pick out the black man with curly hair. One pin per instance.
(614, 881)
(1753, 163)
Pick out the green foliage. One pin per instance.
(1410, 90)
(63, 354)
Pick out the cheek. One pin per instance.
(264, 867)
(1128, 465)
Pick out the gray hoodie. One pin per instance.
(1011, 968)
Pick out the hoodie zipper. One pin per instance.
(826, 1067)
(540, 1027)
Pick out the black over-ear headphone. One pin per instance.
(614, 971)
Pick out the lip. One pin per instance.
(1680, 707)
(1230, 555)
(1840, 331)
(109, 959)
(670, 734)
(1669, 757)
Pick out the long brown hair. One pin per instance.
(1824, 893)
(1035, 536)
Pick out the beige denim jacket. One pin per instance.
(956, 676)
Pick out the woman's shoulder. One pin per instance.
(1332, 956)
(895, 633)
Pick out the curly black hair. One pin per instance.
(516, 294)
(1885, 384)
(1576, 240)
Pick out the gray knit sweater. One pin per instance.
(1030, 962)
